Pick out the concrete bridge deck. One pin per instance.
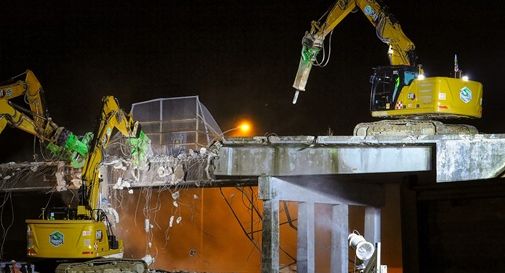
(452, 157)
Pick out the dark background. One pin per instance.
(240, 57)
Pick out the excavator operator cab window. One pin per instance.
(60, 213)
(387, 83)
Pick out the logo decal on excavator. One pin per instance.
(369, 11)
(56, 238)
(465, 94)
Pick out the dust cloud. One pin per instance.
(219, 230)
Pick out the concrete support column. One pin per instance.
(305, 252)
(339, 262)
(270, 232)
(270, 237)
(372, 224)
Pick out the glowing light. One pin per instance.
(245, 127)
(465, 78)
(421, 77)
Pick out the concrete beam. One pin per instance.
(323, 189)
(287, 160)
(449, 155)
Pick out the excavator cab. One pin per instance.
(401, 91)
(387, 82)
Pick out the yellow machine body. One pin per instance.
(69, 239)
(434, 97)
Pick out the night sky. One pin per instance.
(240, 57)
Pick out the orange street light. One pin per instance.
(244, 128)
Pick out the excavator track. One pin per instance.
(412, 127)
(104, 266)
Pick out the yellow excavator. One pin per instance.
(400, 90)
(82, 232)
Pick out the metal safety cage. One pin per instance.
(176, 124)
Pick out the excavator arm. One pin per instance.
(9, 115)
(36, 120)
(112, 117)
(29, 87)
(401, 49)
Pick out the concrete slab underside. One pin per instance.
(273, 190)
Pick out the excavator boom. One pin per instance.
(111, 117)
(36, 120)
(401, 49)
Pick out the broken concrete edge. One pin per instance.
(34, 176)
